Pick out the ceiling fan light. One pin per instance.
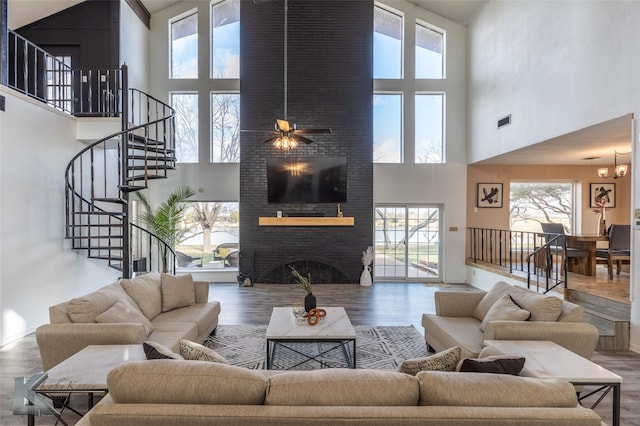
(293, 143)
(603, 172)
(277, 143)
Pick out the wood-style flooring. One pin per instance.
(381, 304)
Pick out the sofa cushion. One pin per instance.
(571, 312)
(177, 291)
(342, 387)
(124, 312)
(444, 388)
(186, 382)
(169, 334)
(86, 308)
(497, 291)
(145, 290)
(507, 310)
(454, 331)
(203, 314)
(500, 364)
(542, 308)
(193, 351)
(442, 361)
(154, 350)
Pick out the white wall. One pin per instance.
(37, 268)
(556, 66)
(134, 47)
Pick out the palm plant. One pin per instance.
(165, 219)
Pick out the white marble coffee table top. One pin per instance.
(88, 369)
(545, 359)
(335, 325)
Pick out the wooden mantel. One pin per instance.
(306, 221)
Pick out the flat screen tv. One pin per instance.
(307, 180)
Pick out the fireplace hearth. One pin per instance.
(322, 272)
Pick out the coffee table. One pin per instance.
(335, 327)
(84, 372)
(544, 359)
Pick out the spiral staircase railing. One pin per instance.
(100, 178)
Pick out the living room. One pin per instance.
(38, 262)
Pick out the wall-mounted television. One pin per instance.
(307, 180)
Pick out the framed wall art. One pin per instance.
(489, 195)
(602, 195)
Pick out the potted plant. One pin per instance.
(164, 220)
(304, 282)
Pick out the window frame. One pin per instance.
(443, 147)
(422, 23)
(403, 56)
(402, 124)
(170, 22)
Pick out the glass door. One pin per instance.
(407, 242)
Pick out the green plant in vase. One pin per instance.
(304, 282)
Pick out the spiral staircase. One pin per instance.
(101, 177)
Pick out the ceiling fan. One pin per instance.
(286, 135)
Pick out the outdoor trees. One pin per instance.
(534, 203)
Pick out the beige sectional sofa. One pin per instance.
(506, 312)
(173, 393)
(158, 307)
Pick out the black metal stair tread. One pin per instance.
(143, 140)
(111, 200)
(155, 149)
(94, 237)
(132, 188)
(99, 213)
(151, 158)
(144, 177)
(152, 167)
(115, 259)
(95, 225)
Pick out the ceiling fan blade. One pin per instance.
(310, 131)
(300, 138)
(283, 125)
(271, 139)
(260, 131)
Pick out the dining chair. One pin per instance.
(619, 248)
(557, 247)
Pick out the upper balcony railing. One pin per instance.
(42, 76)
(529, 254)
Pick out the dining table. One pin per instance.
(584, 265)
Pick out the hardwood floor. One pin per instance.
(381, 304)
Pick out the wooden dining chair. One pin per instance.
(619, 248)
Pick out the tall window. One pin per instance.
(184, 47)
(225, 127)
(225, 39)
(429, 128)
(429, 52)
(186, 106)
(387, 128)
(392, 144)
(387, 44)
(532, 203)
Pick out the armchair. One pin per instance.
(619, 248)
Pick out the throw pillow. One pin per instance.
(492, 364)
(505, 309)
(87, 308)
(145, 291)
(154, 350)
(124, 312)
(177, 291)
(196, 352)
(497, 291)
(446, 360)
(542, 308)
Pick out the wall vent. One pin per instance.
(505, 121)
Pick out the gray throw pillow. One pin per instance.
(446, 360)
(507, 310)
(154, 350)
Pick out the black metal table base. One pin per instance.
(344, 344)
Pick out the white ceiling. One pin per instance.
(600, 140)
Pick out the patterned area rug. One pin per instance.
(382, 347)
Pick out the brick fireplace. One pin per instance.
(330, 84)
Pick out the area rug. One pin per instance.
(378, 347)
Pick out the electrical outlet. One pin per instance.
(85, 79)
(103, 78)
